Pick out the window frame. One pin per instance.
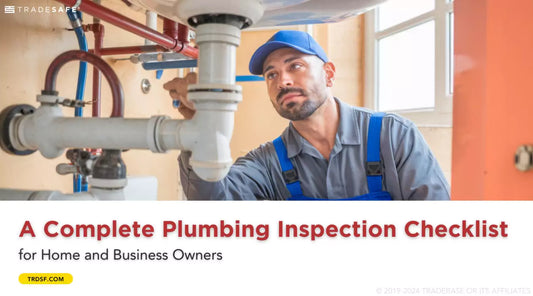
(441, 114)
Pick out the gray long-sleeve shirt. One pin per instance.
(410, 169)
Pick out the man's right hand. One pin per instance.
(177, 89)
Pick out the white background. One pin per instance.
(277, 266)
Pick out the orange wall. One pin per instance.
(492, 98)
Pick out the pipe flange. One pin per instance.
(153, 131)
(211, 32)
(214, 87)
(240, 22)
(49, 99)
(207, 10)
(227, 96)
(215, 101)
(108, 183)
(6, 117)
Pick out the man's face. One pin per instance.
(296, 82)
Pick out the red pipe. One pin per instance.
(132, 26)
(178, 32)
(130, 49)
(183, 33)
(170, 28)
(112, 78)
(99, 31)
(187, 50)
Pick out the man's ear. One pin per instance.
(329, 68)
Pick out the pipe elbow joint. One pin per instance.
(211, 157)
(37, 131)
(208, 137)
(9, 122)
(30, 130)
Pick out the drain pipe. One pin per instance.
(215, 97)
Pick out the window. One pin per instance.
(408, 60)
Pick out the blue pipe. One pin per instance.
(76, 19)
(76, 182)
(82, 77)
(248, 78)
(82, 73)
(83, 181)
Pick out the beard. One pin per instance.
(298, 111)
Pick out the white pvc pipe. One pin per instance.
(111, 133)
(211, 155)
(151, 22)
(138, 188)
(215, 98)
(51, 133)
(14, 194)
(217, 48)
(168, 134)
(56, 195)
(92, 194)
(213, 69)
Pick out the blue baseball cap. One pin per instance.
(301, 41)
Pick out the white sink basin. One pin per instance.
(274, 12)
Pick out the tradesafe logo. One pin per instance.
(9, 9)
(12, 9)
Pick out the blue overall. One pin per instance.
(373, 167)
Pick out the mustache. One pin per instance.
(287, 90)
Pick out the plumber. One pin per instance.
(330, 150)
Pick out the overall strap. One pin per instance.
(290, 175)
(374, 173)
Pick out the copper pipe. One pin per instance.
(132, 26)
(183, 33)
(112, 78)
(187, 50)
(183, 37)
(170, 28)
(99, 31)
